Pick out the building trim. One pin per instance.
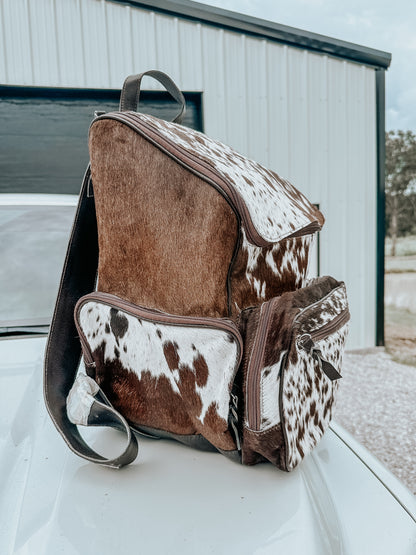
(381, 201)
(65, 93)
(80, 93)
(262, 28)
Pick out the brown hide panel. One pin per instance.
(166, 237)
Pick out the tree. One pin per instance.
(400, 184)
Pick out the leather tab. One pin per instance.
(326, 366)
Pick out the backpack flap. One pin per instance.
(271, 209)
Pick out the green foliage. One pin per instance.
(400, 184)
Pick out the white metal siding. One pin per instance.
(310, 117)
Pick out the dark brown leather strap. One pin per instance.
(63, 351)
(130, 93)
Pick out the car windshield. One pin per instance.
(34, 231)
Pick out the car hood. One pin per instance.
(174, 499)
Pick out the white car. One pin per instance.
(173, 499)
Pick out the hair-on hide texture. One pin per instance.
(264, 446)
(166, 238)
(169, 377)
(169, 240)
(262, 273)
(308, 396)
(295, 396)
(277, 209)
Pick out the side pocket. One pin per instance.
(265, 347)
(292, 359)
(309, 378)
(161, 371)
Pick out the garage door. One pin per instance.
(43, 133)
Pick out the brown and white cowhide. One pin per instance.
(277, 209)
(262, 273)
(296, 397)
(333, 303)
(308, 396)
(170, 377)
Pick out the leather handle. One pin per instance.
(130, 93)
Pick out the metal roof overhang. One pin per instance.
(265, 29)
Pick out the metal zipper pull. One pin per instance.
(233, 419)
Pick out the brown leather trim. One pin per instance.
(313, 227)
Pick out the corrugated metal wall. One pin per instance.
(310, 117)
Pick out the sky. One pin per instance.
(388, 25)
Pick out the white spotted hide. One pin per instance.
(145, 351)
(308, 397)
(269, 395)
(290, 257)
(334, 303)
(276, 208)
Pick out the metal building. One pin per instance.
(308, 106)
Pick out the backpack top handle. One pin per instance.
(130, 93)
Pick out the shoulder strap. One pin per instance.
(63, 351)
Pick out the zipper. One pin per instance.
(196, 166)
(330, 327)
(231, 268)
(86, 351)
(233, 418)
(307, 342)
(155, 315)
(253, 415)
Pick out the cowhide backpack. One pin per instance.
(185, 287)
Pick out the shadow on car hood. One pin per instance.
(174, 499)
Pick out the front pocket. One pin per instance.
(292, 361)
(161, 371)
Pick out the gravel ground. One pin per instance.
(376, 403)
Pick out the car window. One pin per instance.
(33, 241)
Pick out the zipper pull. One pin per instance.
(306, 342)
(325, 365)
(233, 419)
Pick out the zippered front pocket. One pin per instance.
(162, 371)
(292, 361)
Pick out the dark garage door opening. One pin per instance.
(44, 133)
